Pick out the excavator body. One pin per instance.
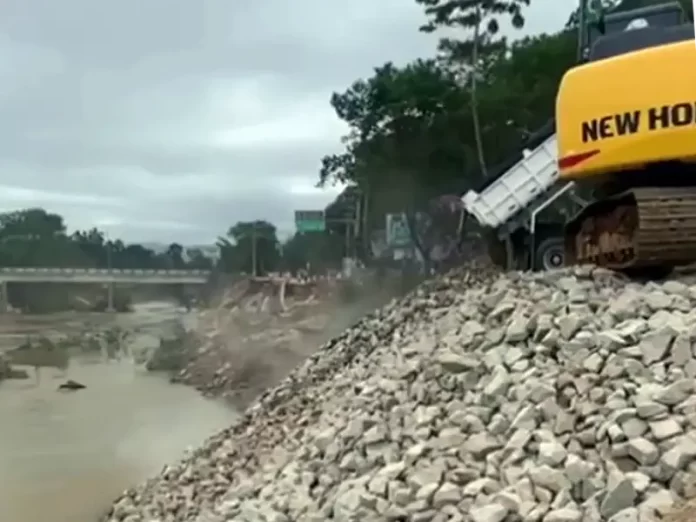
(626, 127)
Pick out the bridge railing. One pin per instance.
(100, 271)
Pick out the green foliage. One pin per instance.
(479, 16)
(197, 260)
(38, 238)
(250, 247)
(420, 130)
(400, 121)
(472, 55)
(314, 252)
(467, 13)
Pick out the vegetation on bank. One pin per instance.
(38, 238)
(443, 125)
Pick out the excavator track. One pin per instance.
(642, 228)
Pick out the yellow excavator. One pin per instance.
(626, 128)
(625, 131)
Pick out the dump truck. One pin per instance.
(624, 131)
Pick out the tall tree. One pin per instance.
(472, 15)
(404, 124)
(175, 255)
(197, 260)
(255, 246)
(410, 128)
(31, 223)
(313, 251)
(35, 237)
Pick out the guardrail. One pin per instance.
(100, 271)
(101, 275)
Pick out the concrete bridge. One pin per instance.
(108, 276)
(103, 275)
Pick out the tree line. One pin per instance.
(36, 237)
(445, 124)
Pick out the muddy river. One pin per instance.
(65, 455)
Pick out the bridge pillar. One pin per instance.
(4, 298)
(110, 298)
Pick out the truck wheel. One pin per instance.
(550, 254)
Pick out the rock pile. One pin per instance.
(557, 397)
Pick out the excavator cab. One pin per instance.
(626, 126)
(626, 31)
(629, 30)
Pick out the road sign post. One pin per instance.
(398, 234)
(310, 221)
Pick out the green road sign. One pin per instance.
(398, 233)
(310, 220)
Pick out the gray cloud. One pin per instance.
(172, 120)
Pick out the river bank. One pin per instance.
(249, 342)
(67, 455)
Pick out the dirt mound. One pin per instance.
(262, 328)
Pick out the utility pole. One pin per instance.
(582, 30)
(358, 212)
(365, 217)
(110, 285)
(357, 228)
(254, 237)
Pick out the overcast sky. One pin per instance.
(169, 120)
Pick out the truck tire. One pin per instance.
(549, 254)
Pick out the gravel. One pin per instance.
(559, 397)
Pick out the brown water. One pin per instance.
(65, 455)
